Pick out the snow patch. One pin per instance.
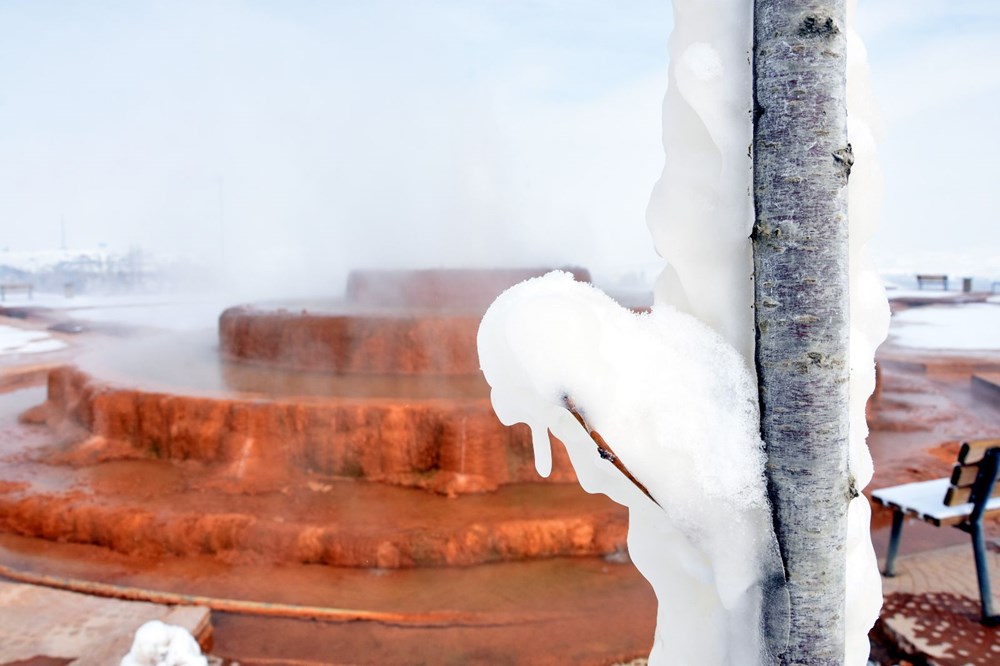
(21, 341)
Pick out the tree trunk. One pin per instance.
(801, 163)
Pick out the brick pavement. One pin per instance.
(931, 608)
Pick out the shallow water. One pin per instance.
(190, 362)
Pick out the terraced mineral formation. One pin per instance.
(339, 434)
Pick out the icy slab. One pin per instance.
(21, 341)
(677, 406)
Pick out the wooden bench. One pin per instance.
(933, 279)
(961, 501)
(10, 287)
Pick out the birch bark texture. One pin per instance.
(802, 161)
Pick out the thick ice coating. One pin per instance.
(701, 215)
(678, 406)
(869, 327)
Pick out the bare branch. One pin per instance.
(604, 449)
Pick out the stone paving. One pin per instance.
(931, 608)
(39, 625)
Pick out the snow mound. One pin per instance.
(159, 644)
(677, 406)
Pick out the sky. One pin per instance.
(287, 142)
(936, 78)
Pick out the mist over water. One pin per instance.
(283, 144)
(273, 146)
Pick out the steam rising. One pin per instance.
(286, 143)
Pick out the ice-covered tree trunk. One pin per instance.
(801, 163)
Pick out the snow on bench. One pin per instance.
(941, 280)
(11, 287)
(961, 501)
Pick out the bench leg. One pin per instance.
(897, 530)
(983, 575)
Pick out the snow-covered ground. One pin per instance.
(170, 312)
(175, 316)
(21, 341)
(973, 326)
(927, 294)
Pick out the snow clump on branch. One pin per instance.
(677, 407)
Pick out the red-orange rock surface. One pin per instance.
(448, 445)
(153, 509)
(465, 289)
(352, 344)
(394, 322)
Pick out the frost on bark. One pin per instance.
(801, 163)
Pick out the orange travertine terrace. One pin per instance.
(334, 418)
(394, 323)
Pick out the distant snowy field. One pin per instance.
(973, 326)
(166, 312)
(176, 316)
(173, 314)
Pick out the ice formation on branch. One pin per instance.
(672, 392)
(701, 215)
(678, 406)
(869, 327)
